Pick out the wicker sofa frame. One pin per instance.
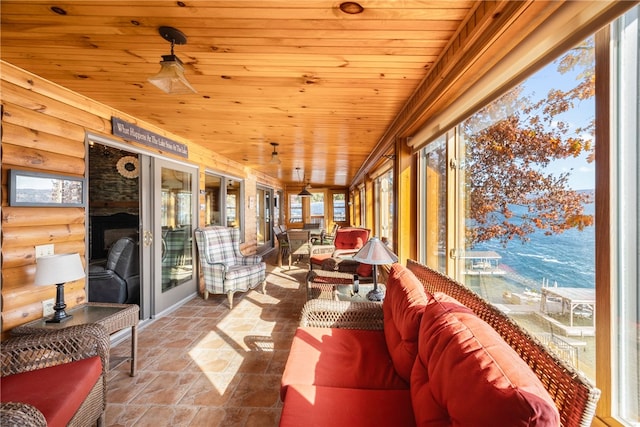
(37, 351)
(574, 394)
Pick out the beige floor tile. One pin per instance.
(206, 365)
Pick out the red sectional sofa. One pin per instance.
(433, 363)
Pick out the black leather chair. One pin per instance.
(119, 280)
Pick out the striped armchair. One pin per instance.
(226, 270)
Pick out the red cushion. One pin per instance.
(350, 358)
(403, 306)
(351, 238)
(319, 258)
(364, 270)
(467, 375)
(57, 391)
(307, 405)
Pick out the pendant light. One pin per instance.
(171, 77)
(304, 192)
(275, 160)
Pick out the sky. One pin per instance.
(582, 173)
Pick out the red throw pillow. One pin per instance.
(364, 270)
(467, 375)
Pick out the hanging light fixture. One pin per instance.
(171, 77)
(304, 192)
(275, 160)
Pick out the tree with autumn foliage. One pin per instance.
(508, 146)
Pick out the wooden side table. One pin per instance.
(113, 317)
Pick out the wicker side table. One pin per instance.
(113, 317)
(348, 293)
(321, 284)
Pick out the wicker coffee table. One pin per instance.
(113, 317)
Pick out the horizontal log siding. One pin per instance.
(43, 129)
(38, 134)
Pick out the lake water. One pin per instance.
(567, 258)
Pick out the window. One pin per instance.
(233, 201)
(223, 196)
(384, 207)
(317, 208)
(339, 207)
(518, 219)
(433, 188)
(625, 279)
(212, 198)
(517, 224)
(363, 206)
(295, 208)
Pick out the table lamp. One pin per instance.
(375, 253)
(58, 269)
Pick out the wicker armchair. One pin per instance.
(347, 242)
(31, 353)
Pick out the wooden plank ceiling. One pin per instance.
(322, 83)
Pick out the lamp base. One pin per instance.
(375, 295)
(59, 314)
(59, 317)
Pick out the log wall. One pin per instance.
(43, 129)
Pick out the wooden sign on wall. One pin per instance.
(133, 132)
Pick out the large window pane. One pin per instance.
(232, 205)
(384, 207)
(433, 218)
(223, 196)
(212, 185)
(339, 207)
(363, 206)
(626, 327)
(177, 220)
(295, 208)
(527, 182)
(317, 208)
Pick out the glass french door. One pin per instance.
(174, 217)
(264, 220)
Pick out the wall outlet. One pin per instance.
(47, 307)
(44, 250)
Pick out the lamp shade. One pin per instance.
(374, 252)
(275, 160)
(304, 192)
(60, 268)
(171, 77)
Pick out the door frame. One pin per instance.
(147, 277)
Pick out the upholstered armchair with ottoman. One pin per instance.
(55, 378)
(226, 270)
(347, 242)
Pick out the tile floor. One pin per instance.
(206, 365)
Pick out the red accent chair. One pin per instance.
(347, 242)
